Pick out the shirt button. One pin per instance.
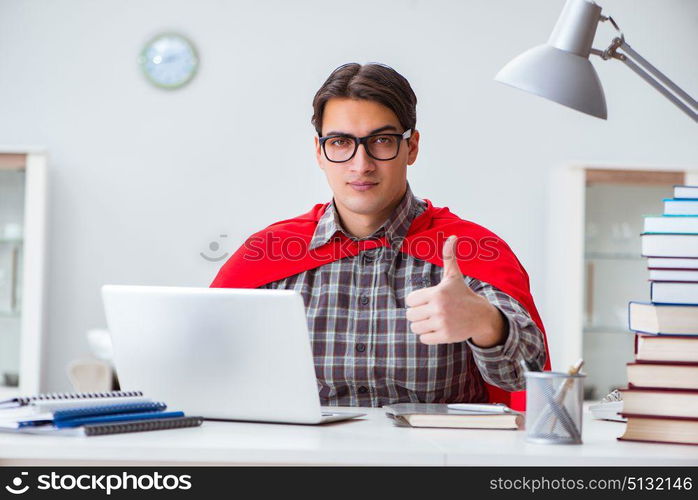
(364, 300)
(360, 347)
(363, 389)
(368, 257)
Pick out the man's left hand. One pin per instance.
(451, 312)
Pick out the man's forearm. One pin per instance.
(496, 333)
(500, 364)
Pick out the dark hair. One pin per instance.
(373, 82)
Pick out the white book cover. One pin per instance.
(669, 245)
(671, 224)
(673, 275)
(675, 206)
(686, 192)
(668, 292)
(671, 263)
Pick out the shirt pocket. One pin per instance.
(413, 282)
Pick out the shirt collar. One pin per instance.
(394, 228)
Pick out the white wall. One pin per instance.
(142, 180)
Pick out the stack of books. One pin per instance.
(89, 414)
(661, 401)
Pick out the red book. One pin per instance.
(657, 374)
(660, 429)
(660, 402)
(666, 348)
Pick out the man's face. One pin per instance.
(364, 185)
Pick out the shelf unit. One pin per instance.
(23, 189)
(594, 266)
(611, 256)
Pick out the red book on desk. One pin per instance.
(659, 429)
(663, 375)
(660, 415)
(666, 348)
(660, 402)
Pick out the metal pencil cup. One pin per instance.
(554, 407)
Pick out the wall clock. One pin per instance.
(169, 61)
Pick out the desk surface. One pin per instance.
(370, 440)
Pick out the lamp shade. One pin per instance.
(560, 70)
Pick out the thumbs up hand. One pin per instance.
(451, 312)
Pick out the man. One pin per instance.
(405, 301)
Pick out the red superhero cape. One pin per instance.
(281, 250)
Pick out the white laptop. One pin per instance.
(221, 353)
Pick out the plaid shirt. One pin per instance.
(365, 353)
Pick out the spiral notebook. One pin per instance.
(89, 414)
(79, 414)
(118, 427)
(66, 396)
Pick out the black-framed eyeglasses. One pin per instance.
(382, 147)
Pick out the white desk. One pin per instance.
(372, 440)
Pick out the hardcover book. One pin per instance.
(439, 415)
(663, 319)
(651, 374)
(669, 245)
(660, 402)
(660, 429)
(667, 348)
(674, 292)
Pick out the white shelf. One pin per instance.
(31, 244)
(606, 330)
(612, 256)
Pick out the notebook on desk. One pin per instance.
(440, 415)
(65, 398)
(103, 429)
(89, 414)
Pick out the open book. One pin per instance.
(440, 415)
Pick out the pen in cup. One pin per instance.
(564, 388)
(552, 407)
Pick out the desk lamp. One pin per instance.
(560, 70)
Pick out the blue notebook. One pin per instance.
(96, 411)
(122, 417)
(65, 417)
(100, 420)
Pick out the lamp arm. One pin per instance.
(658, 75)
(648, 72)
(691, 111)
